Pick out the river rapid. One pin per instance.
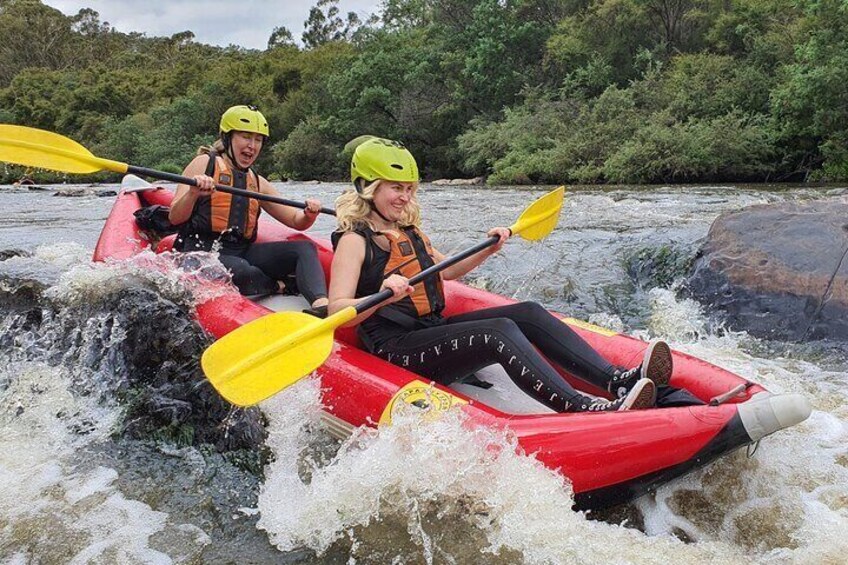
(81, 483)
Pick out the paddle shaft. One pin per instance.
(256, 360)
(387, 293)
(162, 175)
(343, 316)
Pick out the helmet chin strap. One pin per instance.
(359, 185)
(371, 203)
(228, 150)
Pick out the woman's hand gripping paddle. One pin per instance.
(42, 149)
(265, 356)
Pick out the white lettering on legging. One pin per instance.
(524, 371)
(454, 344)
(437, 349)
(422, 358)
(406, 360)
(511, 359)
(487, 337)
(390, 357)
(470, 340)
(553, 396)
(500, 347)
(538, 386)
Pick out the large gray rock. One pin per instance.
(779, 270)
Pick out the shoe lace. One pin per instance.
(603, 405)
(626, 375)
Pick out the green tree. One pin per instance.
(308, 154)
(280, 37)
(34, 36)
(322, 27)
(810, 104)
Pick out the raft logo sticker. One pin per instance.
(421, 395)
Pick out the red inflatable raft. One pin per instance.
(609, 457)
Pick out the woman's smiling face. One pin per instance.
(392, 197)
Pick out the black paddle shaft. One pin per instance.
(387, 293)
(162, 175)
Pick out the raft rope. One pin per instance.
(735, 391)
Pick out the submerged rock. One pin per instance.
(459, 182)
(136, 346)
(779, 270)
(73, 192)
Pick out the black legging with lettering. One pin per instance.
(256, 268)
(507, 336)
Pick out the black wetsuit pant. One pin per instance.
(508, 336)
(256, 268)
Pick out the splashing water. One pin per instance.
(788, 503)
(75, 488)
(55, 499)
(451, 490)
(71, 515)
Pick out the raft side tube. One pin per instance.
(762, 415)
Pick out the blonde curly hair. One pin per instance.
(353, 208)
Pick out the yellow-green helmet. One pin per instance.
(244, 118)
(377, 158)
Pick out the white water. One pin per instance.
(418, 492)
(787, 504)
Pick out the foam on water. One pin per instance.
(787, 504)
(441, 491)
(183, 277)
(427, 488)
(53, 503)
(47, 503)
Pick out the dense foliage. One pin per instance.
(523, 91)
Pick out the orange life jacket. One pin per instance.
(410, 252)
(222, 215)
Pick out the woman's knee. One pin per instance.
(504, 326)
(533, 308)
(305, 249)
(525, 310)
(248, 276)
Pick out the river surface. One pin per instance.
(77, 487)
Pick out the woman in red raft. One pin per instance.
(208, 218)
(379, 245)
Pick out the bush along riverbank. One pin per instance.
(521, 91)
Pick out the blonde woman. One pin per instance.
(379, 245)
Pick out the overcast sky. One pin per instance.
(248, 23)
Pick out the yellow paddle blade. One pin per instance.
(42, 149)
(541, 217)
(263, 357)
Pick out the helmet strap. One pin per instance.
(371, 203)
(228, 150)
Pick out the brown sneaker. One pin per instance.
(657, 363)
